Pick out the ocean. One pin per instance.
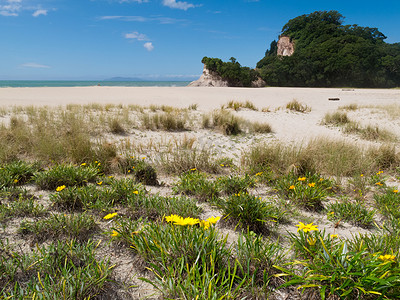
(66, 83)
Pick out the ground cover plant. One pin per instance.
(185, 222)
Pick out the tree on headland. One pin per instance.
(327, 53)
(231, 71)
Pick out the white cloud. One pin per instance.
(137, 1)
(149, 46)
(10, 8)
(179, 5)
(39, 12)
(160, 19)
(136, 36)
(35, 65)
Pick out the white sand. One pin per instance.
(206, 98)
(288, 126)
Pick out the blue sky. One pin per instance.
(155, 39)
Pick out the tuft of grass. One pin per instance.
(116, 127)
(389, 203)
(180, 160)
(155, 207)
(261, 127)
(21, 208)
(248, 211)
(339, 272)
(352, 107)
(353, 212)
(337, 118)
(296, 106)
(188, 261)
(227, 122)
(308, 191)
(78, 226)
(197, 184)
(169, 121)
(370, 132)
(68, 175)
(61, 270)
(116, 192)
(237, 105)
(235, 184)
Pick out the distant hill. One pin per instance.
(124, 79)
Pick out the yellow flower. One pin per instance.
(395, 191)
(387, 257)
(291, 187)
(133, 167)
(222, 165)
(213, 220)
(321, 179)
(83, 164)
(333, 236)
(15, 180)
(60, 188)
(301, 178)
(110, 216)
(188, 221)
(144, 157)
(259, 174)
(100, 183)
(172, 218)
(110, 176)
(129, 171)
(306, 228)
(194, 169)
(205, 224)
(362, 175)
(114, 233)
(379, 183)
(136, 192)
(311, 241)
(312, 184)
(379, 173)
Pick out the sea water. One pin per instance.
(65, 83)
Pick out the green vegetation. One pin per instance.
(92, 227)
(232, 71)
(327, 53)
(330, 54)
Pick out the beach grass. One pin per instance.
(87, 213)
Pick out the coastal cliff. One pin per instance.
(209, 79)
(285, 46)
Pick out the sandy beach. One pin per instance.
(206, 98)
(287, 126)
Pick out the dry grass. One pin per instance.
(331, 157)
(295, 105)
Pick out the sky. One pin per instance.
(155, 39)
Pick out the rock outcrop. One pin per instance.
(209, 78)
(285, 46)
(212, 79)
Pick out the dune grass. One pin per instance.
(213, 230)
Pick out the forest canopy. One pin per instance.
(327, 53)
